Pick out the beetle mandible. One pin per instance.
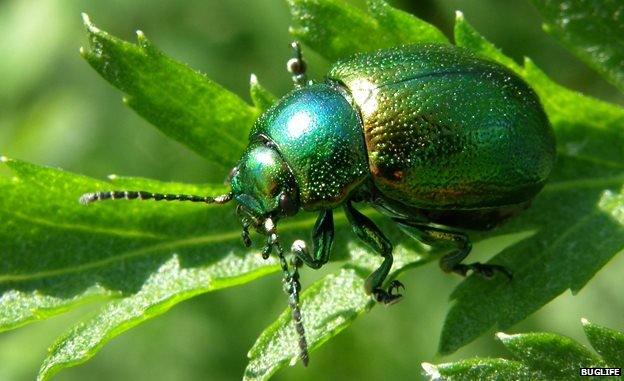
(437, 139)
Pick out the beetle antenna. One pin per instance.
(88, 198)
(297, 66)
(292, 287)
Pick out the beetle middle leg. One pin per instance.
(369, 233)
(322, 240)
(451, 262)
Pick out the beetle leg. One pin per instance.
(451, 262)
(297, 66)
(369, 233)
(322, 240)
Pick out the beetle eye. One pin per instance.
(287, 206)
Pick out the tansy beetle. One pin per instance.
(432, 136)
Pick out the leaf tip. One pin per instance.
(459, 16)
(585, 322)
(297, 32)
(44, 373)
(502, 336)
(142, 39)
(112, 177)
(431, 371)
(86, 20)
(4, 159)
(253, 80)
(293, 361)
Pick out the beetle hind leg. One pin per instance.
(451, 262)
(369, 233)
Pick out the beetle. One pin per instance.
(432, 136)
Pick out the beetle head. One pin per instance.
(263, 184)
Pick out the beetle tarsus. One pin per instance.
(487, 271)
(266, 251)
(395, 285)
(391, 296)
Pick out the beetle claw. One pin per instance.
(395, 285)
(391, 296)
(266, 251)
(485, 270)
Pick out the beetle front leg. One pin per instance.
(369, 233)
(451, 262)
(322, 240)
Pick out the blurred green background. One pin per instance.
(55, 110)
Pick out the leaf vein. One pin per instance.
(85, 228)
(194, 241)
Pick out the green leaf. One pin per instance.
(142, 257)
(168, 285)
(577, 213)
(336, 30)
(592, 30)
(484, 369)
(323, 318)
(538, 356)
(467, 37)
(261, 97)
(608, 343)
(328, 307)
(555, 357)
(181, 102)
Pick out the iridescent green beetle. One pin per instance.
(432, 136)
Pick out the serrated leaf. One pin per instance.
(607, 342)
(336, 29)
(484, 369)
(592, 30)
(576, 219)
(170, 284)
(538, 356)
(142, 257)
(328, 307)
(323, 318)
(555, 357)
(185, 105)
